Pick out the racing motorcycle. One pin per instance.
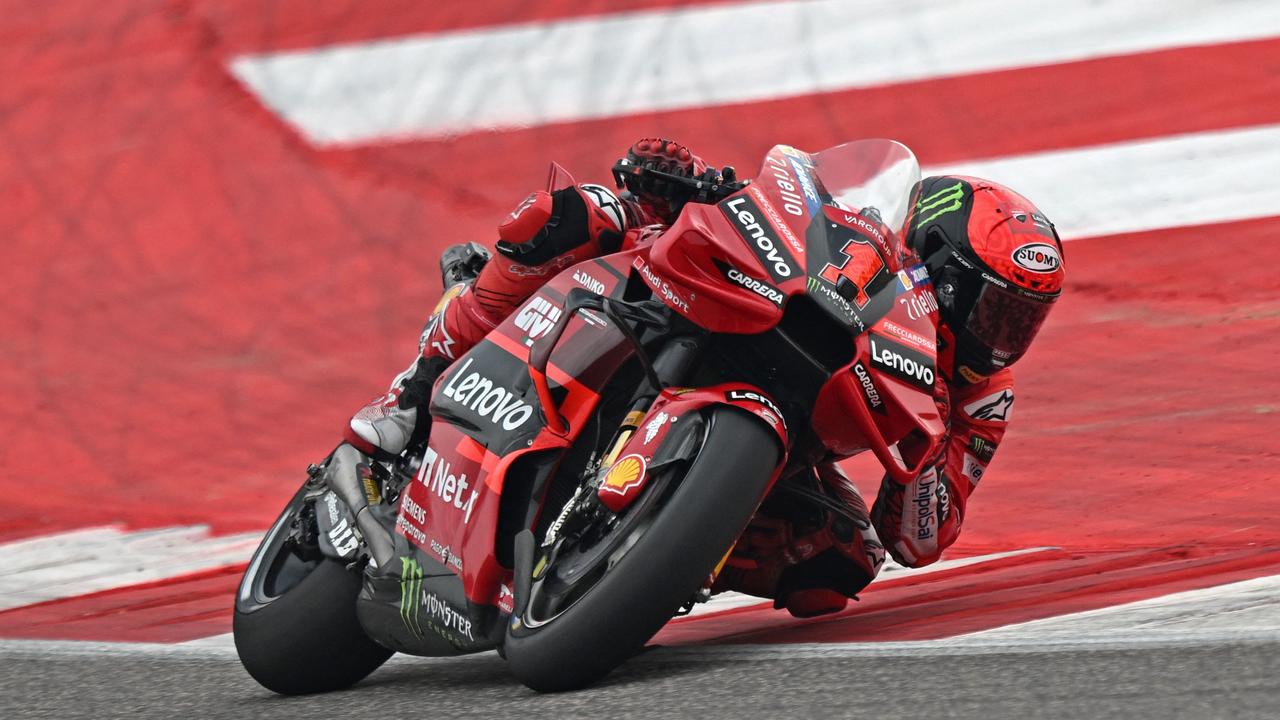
(593, 461)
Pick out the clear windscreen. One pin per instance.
(870, 177)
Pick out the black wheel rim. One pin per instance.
(276, 567)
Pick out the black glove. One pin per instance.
(661, 176)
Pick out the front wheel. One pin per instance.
(295, 623)
(669, 546)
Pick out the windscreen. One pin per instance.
(870, 176)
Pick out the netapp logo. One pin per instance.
(902, 362)
(751, 225)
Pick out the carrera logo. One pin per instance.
(868, 388)
(747, 216)
(1040, 258)
(491, 402)
(537, 318)
(763, 289)
(902, 362)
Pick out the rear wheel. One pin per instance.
(599, 600)
(295, 623)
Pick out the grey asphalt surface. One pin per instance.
(1236, 679)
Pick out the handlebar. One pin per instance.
(708, 188)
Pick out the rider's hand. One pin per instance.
(660, 198)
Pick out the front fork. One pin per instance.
(673, 366)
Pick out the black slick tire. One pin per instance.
(667, 565)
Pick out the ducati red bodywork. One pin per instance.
(801, 232)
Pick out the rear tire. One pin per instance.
(664, 568)
(304, 637)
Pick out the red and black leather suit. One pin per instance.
(809, 570)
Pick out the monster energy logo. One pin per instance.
(940, 203)
(410, 594)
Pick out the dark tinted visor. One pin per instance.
(1000, 327)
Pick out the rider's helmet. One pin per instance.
(996, 265)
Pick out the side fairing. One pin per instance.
(486, 414)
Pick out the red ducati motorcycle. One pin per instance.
(593, 461)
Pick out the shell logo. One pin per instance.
(625, 474)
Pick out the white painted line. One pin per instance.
(103, 558)
(964, 646)
(606, 66)
(1173, 181)
(1240, 607)
(727, 601)
(959, 646)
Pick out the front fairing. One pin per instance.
(828, 227)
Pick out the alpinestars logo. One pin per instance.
(608, 204)
(411, 577)
(994, 407)
(763, 241)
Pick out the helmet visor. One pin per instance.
(999, 328)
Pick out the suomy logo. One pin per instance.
(491, 402)
(1038, 258)
(765, 244)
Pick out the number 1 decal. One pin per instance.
(861, 264)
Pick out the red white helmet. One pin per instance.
(996, 265)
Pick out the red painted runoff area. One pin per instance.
(195, 300)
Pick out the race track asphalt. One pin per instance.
(1236, 678)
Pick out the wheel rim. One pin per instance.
(275, 568)
(575, 570)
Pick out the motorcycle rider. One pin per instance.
(995, 265)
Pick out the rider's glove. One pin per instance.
(662, 199)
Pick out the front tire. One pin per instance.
(295, 624)
(662, 570)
